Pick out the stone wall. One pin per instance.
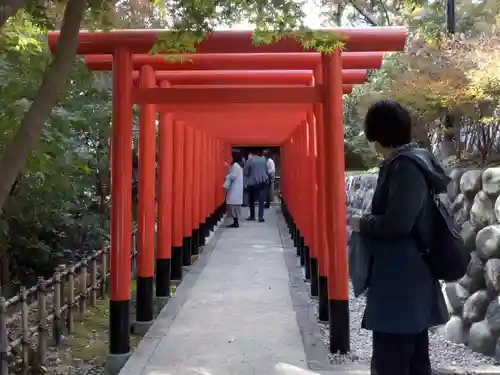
(473, 302)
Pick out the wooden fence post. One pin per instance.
(56, 324)
(83, 288)
(25, 344)
(71, 299)
(94, 276)
(42, 322)
(104, 272)
(4, 365)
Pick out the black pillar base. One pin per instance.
(206, 228)
(211, 222)
(176, 264)
(339, 326)
(186, 251)
(201, 235)
(314, 277)
(163, 278)
(222, 210)
(195, 248)
(323, 299)
(296, 240)
(302, 251)
(119, 327)
(307, 263)
(144, 299)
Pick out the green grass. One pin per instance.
(89, 340)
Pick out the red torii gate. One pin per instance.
(269, 120)
(319, 139)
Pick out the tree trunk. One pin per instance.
(4, 273)
(19, 149)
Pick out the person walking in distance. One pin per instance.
(257, 179)
(234, 190)
(271, 172)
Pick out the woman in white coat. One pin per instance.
(234, 190)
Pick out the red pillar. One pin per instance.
(312, 203)
(299, 147)
(203, 198)
(196, 191)
(321, 212)
(121, 211)
(165, 198)
(292, 187)
(178, 203)
(188, 195)
(146, 206)
(338, 300)
(211, 184)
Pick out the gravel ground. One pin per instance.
(444, 354)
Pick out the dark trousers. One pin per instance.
(257, 193)
(400, 354)
(270, 192)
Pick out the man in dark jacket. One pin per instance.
(403, 298)
(256, 175)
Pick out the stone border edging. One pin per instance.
(315, 351)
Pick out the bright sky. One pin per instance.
(313, 19)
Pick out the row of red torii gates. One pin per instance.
(229, 93)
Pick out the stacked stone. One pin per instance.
(473, 302)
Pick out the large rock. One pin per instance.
(455, 296)
(454, 185)
(492, 275)
(482, 212)
(497, 208)
(482, 339)
(367, 200)
(370, 180)
(493, 316)
(463, 214)
(474, 278)
(475, 307)
(491, 181)
(458, 203)
(469, 233)
(488, 242)
(456, 330)
(470, 183)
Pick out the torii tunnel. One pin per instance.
(229, 93)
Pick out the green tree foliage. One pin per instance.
(55, 209)
(56, 116)
(449, 83)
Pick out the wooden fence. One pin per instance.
(29, 320)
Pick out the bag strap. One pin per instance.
(423, 248)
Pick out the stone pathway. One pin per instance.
(232, 314)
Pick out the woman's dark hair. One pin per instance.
(236, 157)
(388, 123)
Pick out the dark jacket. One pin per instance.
(256, 170)
(403, 297)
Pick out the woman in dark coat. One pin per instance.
(403, 298)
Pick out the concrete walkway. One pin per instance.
(232, 314)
